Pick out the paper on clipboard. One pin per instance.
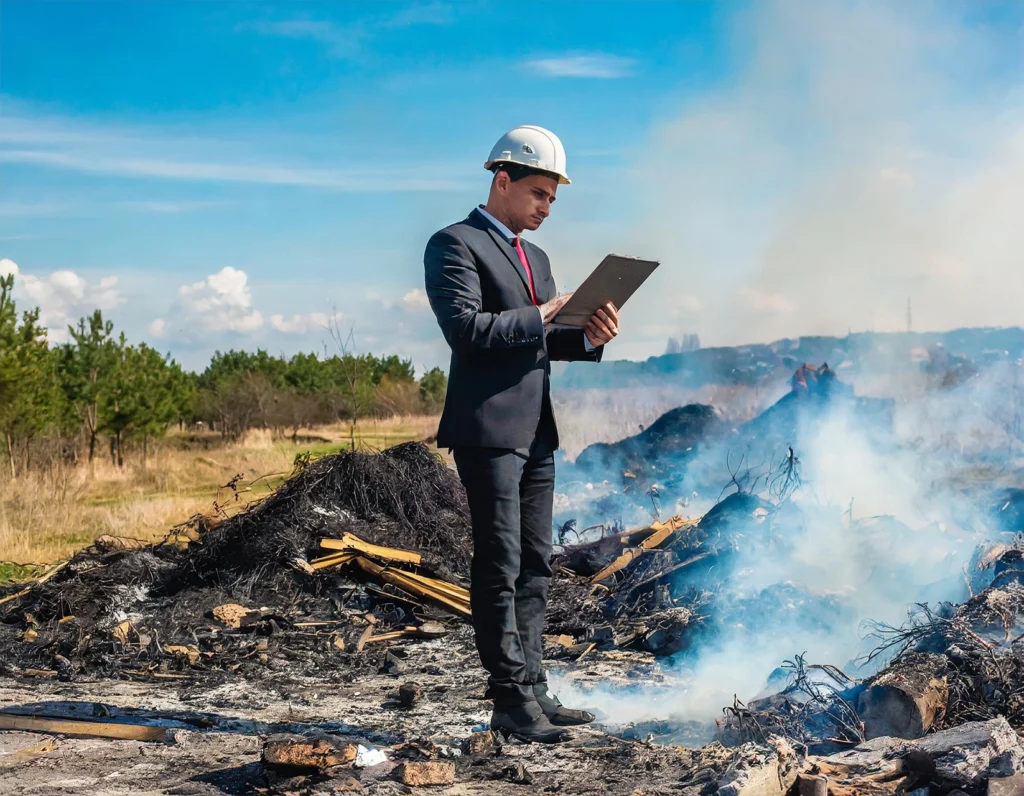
(615, 280)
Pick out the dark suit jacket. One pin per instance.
(499, 380)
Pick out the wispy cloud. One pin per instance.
(341, 41)
(144, 164)
(348, 40)
(169, 208)
(34, 209)
(421, 14)
(600, 66)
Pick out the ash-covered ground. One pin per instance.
(816, 593)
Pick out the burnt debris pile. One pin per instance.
(944, 715)
(240, 593)
(662, 589)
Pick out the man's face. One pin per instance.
(528, 201)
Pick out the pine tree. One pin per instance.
(86, 369)
(28, 403)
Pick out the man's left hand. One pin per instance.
(603, 326)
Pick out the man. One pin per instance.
(494, 298)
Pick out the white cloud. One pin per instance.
(415, 300)
(62, 296)
(220, 303)
(301, 324)
(598, 65)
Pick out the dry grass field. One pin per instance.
(46, 516)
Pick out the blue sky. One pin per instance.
(230, 175)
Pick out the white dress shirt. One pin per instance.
(510, 236)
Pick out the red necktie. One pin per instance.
(526, 265)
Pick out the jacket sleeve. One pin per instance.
(453, 289)
(566, 344)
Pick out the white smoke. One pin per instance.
(871, 532)
(861, 154)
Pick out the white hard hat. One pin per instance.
(531, 146)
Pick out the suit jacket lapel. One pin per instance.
(511, 255)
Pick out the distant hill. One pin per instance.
(850, 355)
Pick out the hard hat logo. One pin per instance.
(533, 147)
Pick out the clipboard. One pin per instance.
(616, 279)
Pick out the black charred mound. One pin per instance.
(671, 439)
(404, 497)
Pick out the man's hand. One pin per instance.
(603, 326)
(552, 308)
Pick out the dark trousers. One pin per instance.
(510, 502)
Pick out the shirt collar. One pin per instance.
(509, 234)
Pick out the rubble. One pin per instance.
(482, 743)
(419, 775)
(962, 757)
(297, 753)
(409, 694)
(767, 770)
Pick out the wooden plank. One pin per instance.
(662, 531)
(389, 636)
(352, 542)
(332, 560)
(398, 578)
(371, 620)
(458, 605)
(455, 591)
(88, 729)
(623, 561)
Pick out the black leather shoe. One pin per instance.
(527, 722)
(555, 712)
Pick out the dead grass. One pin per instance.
(47, 516)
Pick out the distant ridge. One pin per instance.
(759, 362)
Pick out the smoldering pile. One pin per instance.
(661, 589)
(944, 715)
(121, 609)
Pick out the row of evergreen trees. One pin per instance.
(62, 402)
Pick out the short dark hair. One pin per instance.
(516, 171)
